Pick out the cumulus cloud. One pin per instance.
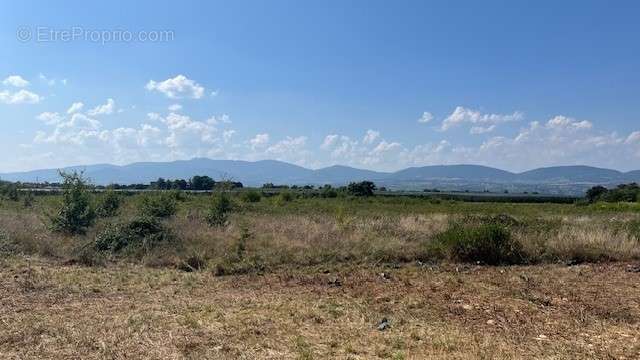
(425, 118)
(104, 109)
(221, 119)
(371, 136)
(16, 81)
(175, 107)
(562, 123)
(75, 107)
(464, 115)
(19, 97)
(177, 87)
(259, 141)
(50, 118)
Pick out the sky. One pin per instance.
(372, 84)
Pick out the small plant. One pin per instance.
(490, 244)
(162, 205)
(218, 212)
(27, 199)
(75, 214)
(108, 204)
(6, 245)
(251, 196)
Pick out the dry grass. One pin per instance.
(439, 312)
(317, 283)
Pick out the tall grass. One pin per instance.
(258, 236)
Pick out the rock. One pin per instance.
(467, 307)
(334, 281)
(384, 324)
(491, 322)
(385, 275)
(633, 268)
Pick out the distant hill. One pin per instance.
(558, 179)
(460, 172)
(571, 174)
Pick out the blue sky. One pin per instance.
(372, 84)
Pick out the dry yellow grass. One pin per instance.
(442, 312)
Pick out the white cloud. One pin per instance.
(50, 82)
(260, 140)
(177, 87)
(227, 135)
(463, 115)
(371, 136)
(16, 81)
(50, 118)
(425, 118)
(329, 141)
(633, 138)
(104, 109)
(217, 120)
(563, 122)
(20, 97)
(75, 107)
(175, 107)
(475, 130)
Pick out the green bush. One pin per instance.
(162, 205)
(490, 244)
(11, 193)
(108, 204)
(75, 214)
(144, 232)
(251, 196)
(218, 212)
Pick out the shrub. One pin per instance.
(251, 196)
(144, 232)
(6, 245)
(27, 199)
(162, 205)
(12, 192)
(284, 197)
(108, 204)
(328, 192)
(489, 244)
(218, 212)
(192, 263)
(75, 214)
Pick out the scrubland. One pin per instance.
(295, 277)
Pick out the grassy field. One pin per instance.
(315, 278)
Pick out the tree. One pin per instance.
(202, 183)
(75, 214)
(363, 188)
(595, 193)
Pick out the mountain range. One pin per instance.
(559, 179)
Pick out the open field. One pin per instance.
(313, 278)
(547, 312)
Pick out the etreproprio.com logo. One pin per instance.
(79, 33)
